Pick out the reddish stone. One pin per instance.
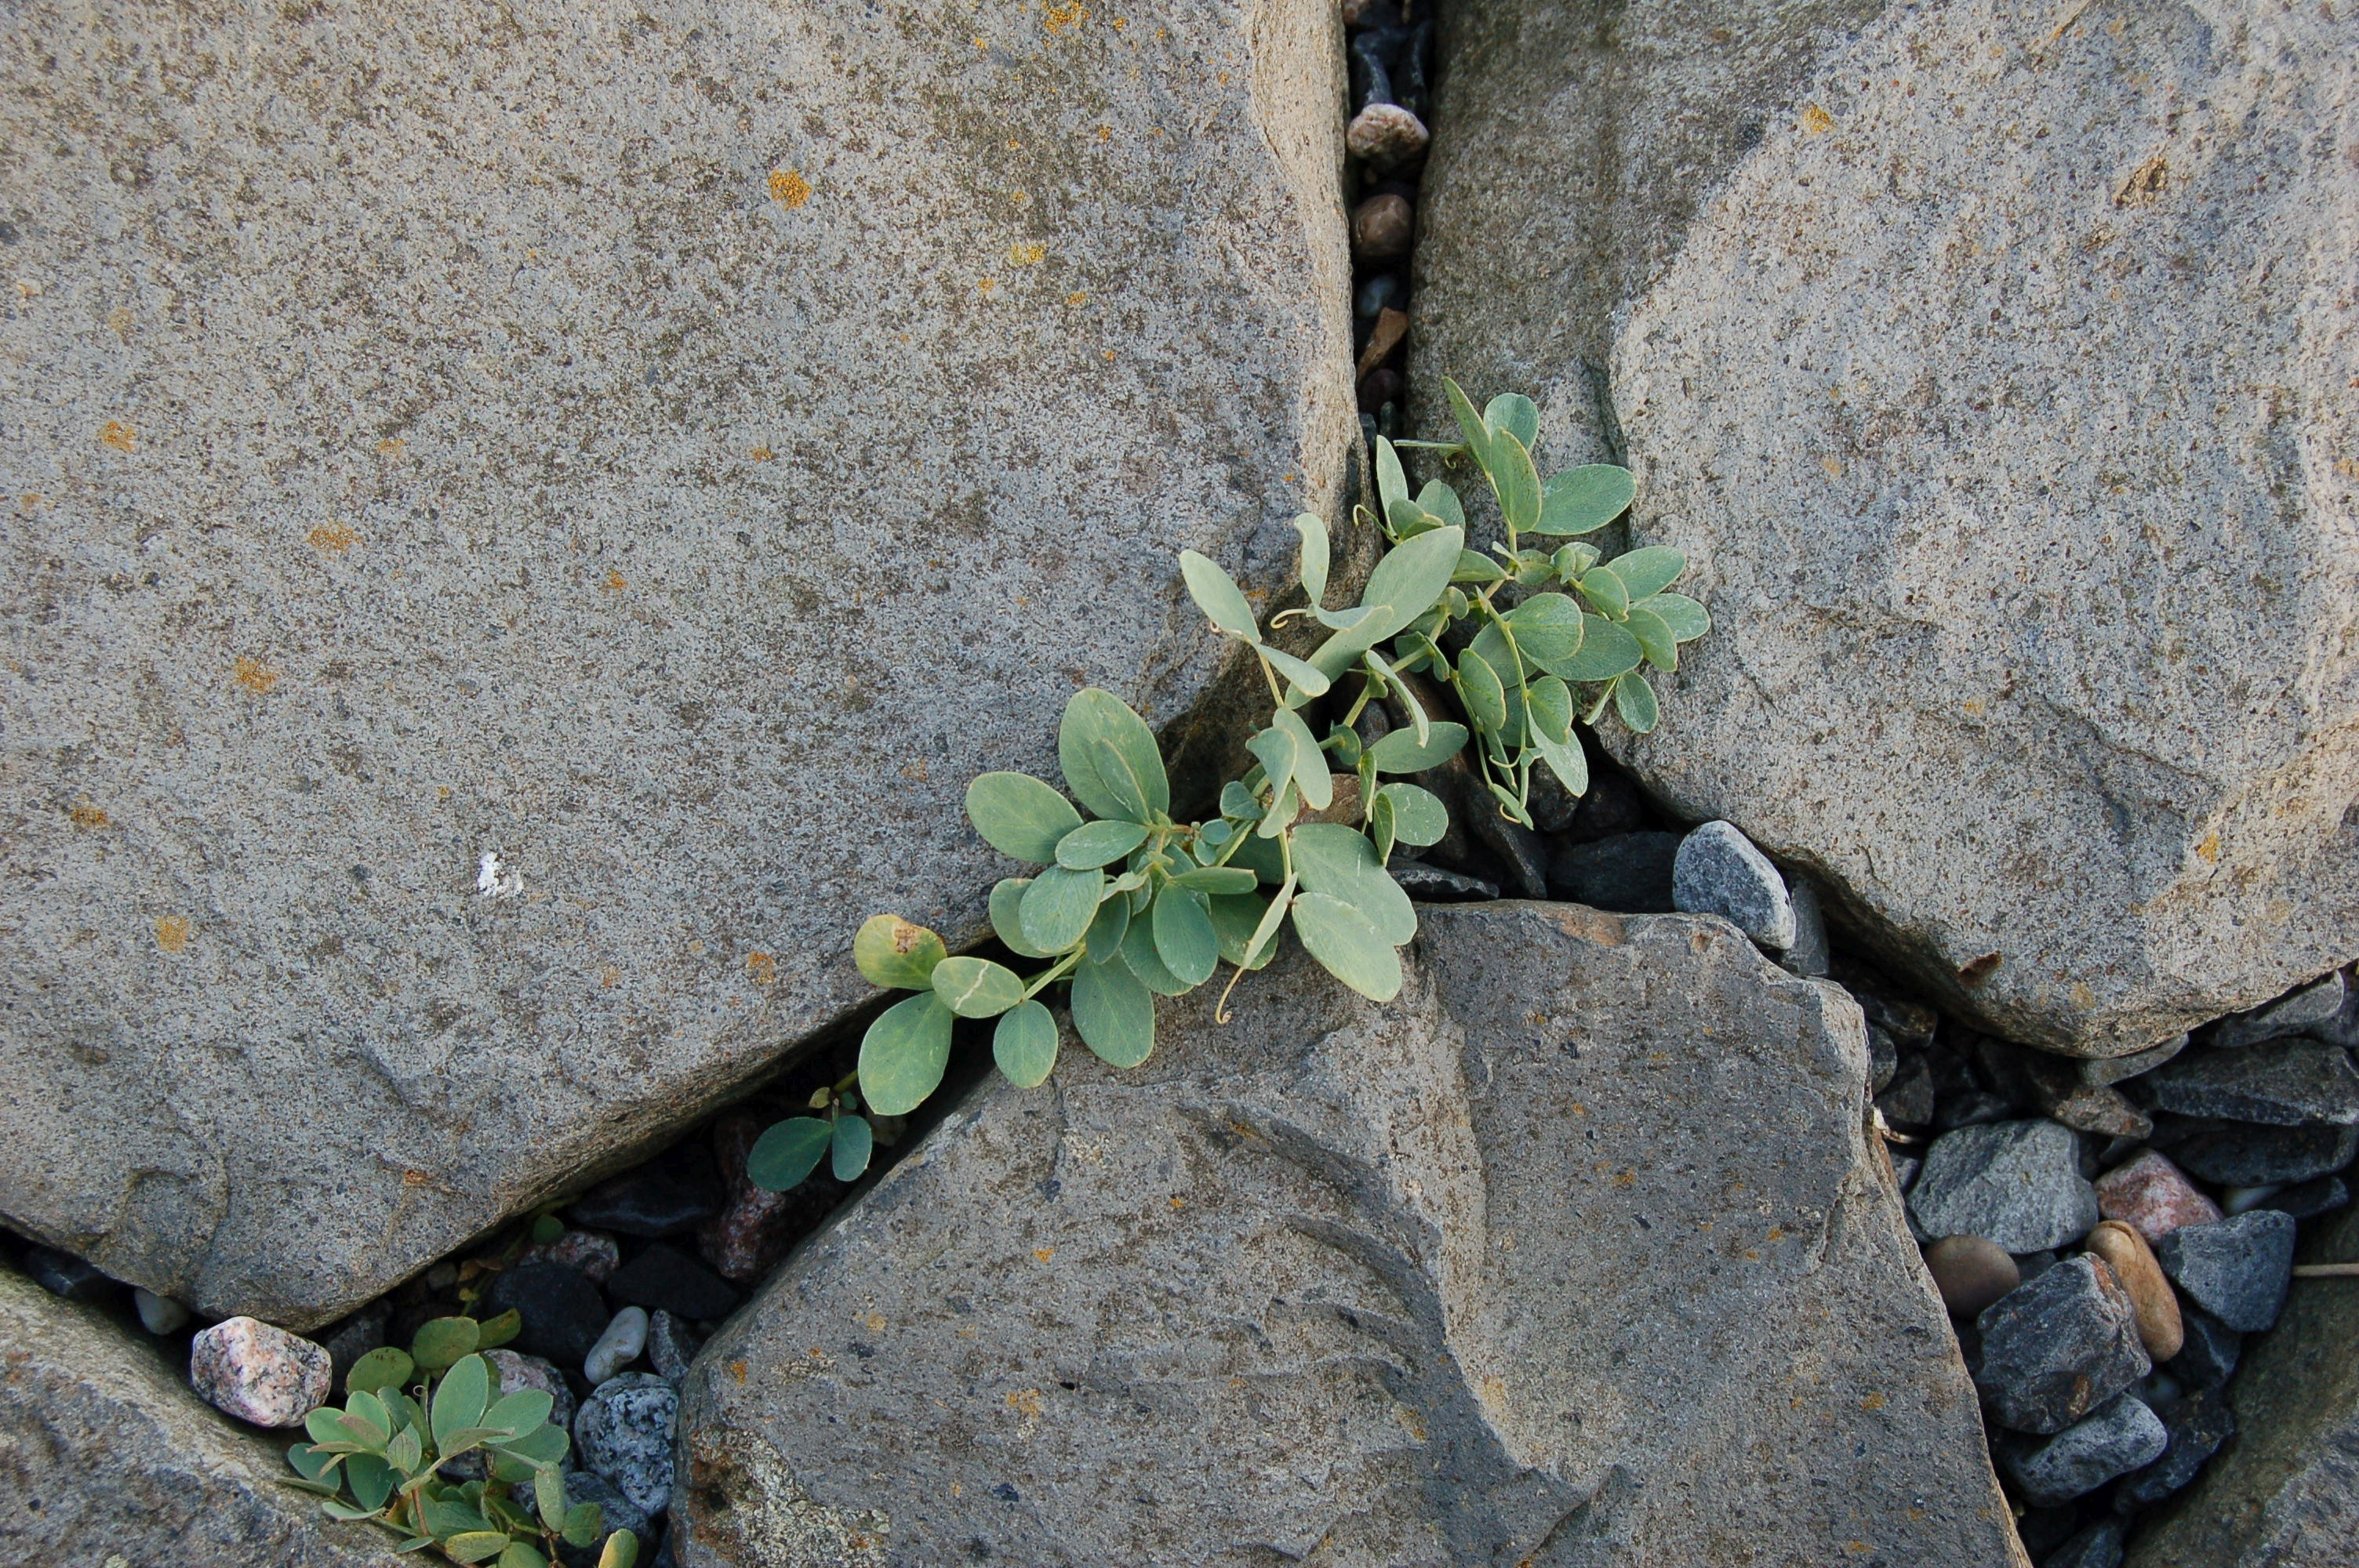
(2153, 1196)
(746, 1239)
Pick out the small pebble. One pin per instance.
(2017, 1182)
(562, 1314)
(2126, 1252)
(1907, 1101)
(517, 1372)
(2314, 1005)
(2102, 1070)
(1383, 229)
(1808, 956)
(63, 1274)
(357, 1335)
(2153, 1198)
(1629, 874)
(615, 1510)
(2112, 1440)
(1904, 1169)
(2196, 1426)
(2236, 1200)
(1718, 871)
(2238, 1270)
(618, 1346)
(442, 1276)
(1969, 1273)
(1385, 137)
(1908, 1022)
(1380, 386)
(666, 1196)
(1381, 293)
(2034, 1264)
(2099, 1546)
(2308, 1200)
(672, 1347)
(2058, 1346)
(591, 1255)
(259, 1373)
(1433, 885)
(158, 1314)
(2209, 1357)
(625, 1433)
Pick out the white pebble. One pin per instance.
(2236, 1200)
(618, 1346)
(158, 1314)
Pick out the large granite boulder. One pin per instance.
(636, 445)
(1576, 1254)
(105, 1456)
(2284, 1492)
(1991, 361)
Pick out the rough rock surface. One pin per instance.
(1458, 1279)
(106, 1454)
(2028, 559)
(630, 443)
(2285, 1494)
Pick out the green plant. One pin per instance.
(409, 1414)
(1131, 904)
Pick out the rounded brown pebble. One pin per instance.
(1382, 227)
(1971, 1273)
(1385, 135)
(2151, 1297)
(1379, 387)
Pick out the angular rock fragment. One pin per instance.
(2239, 1155)
(1718, 871)
(259, 1372)
(2015, 1182)
(2285, 1083)
(2153, 1196)
(2238, 1270)
(2311, 1007)
(2114, 1440)
(1431, 1283)
(623, 1432)
(1812, 271)
(2196, 1427)
(125, 1462)
(2058, 1346)
(465, 519)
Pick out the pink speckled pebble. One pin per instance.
(2153, 1198)
(248, 1369)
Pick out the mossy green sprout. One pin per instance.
(1129, 904)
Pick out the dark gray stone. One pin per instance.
(2238, 1270)
(664, 1277)
(356, 1336)
(2102, 1070)
(1907, 1101)
(666, 1196)
(2313, 1007)
(562, 1314)
(1435, 884)
(2112, 1440)
(1436, 1291)
(1612, 807)
(2308, 1200)
(1908, 1022)
(2058, 1346)
(1883, 1059)
(2098, 1546)
(2284, 1083)
(1629, 874)
(672, 1345)
(66, 1276)
(1808, 955)
(1975, 1108)
(2243, 1156)
(1718, 871)
(2198, 1425)
(616, 1511)
(2208, 1356)
(623, 1432)
(2015, 1183)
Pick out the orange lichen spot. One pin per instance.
(332, 538)
(1026, 1401)
(979, 42)
(1060, 17)
(873, 1322)
(1817, 121)
(1873, 1403)
(173, 934)
(985, 284)
(615, 581)
(1105, 132)
(416, 1179)
(1026, 253)
(1974, 707)
(916, 771)
(1627, 1179)
(1042, 1254)
(2145, 184)
(761, 968)
(116, 434)
(253, 675)
(737, 1370)
(119, 321)
(1179, 1203)
(789, 188)
(1078, 296)
(1776, 1233)
(610, 977)
(2209, 849)
(392, 447)
(85, 814)
(31, 499)
(761, 454)
(1109, 354)
(2347, 467)
(1833, 467)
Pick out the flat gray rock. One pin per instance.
(2285, 1493)
(2118, 1438)
(1932, 333)
(2015, 1183)
(1462, 1280)
(125, 1464)
(2312, 1009)
(634, 446)
(2282, 1083)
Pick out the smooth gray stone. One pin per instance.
(1808, 954)
(2099, 1071)
(158, 1314)
(624, 1432)
(2311, 1008)
(1718, 871)
(124, 1460)
(2238, 1269)
(2239, 1155)
(2057, 1345)
(1888, 492)
(1421, 1285)
(2197, 1425)
(2098, 1546)
(2283, 1083)
(2112, 1442)
(671, 450)
(2015, 1182)
(1436, 884)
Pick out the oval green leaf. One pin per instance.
(1654, 637)
(1309, 762)
(1098, 844)
(1113, 1013)
(1548, 628)
(1478, 686)
(1023, 1044)
(1646, 572)
(1392, 484)
(475, 1545)
(893, 953)
(495, 1332)
(1517, 415)
(1313, 566)
(1517, 482)
(1019, 816)
(855, 1140)
(1437, 500)
(1685, 617)
(383, 1368)
(1138, 952)
(442, 1342)
(1583, 500)
(1418, 817)
(1007, 916)
(621, 1550)
(1605, 592)
(1341, 864)
(1236, 917)
(1347, 946)
(1308, 679)
(976, 987)
(1107, 930)
(1095, 715)
(904, 1052)
(459, 1397)
(1058, 906)
(1401, 752)
(1634, 700)
(1218, 596)
(789, 1151)
(1184, 938)
(1606, 651)
(1217, 880)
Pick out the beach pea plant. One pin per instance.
(1125, 904)
(426, 1445)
